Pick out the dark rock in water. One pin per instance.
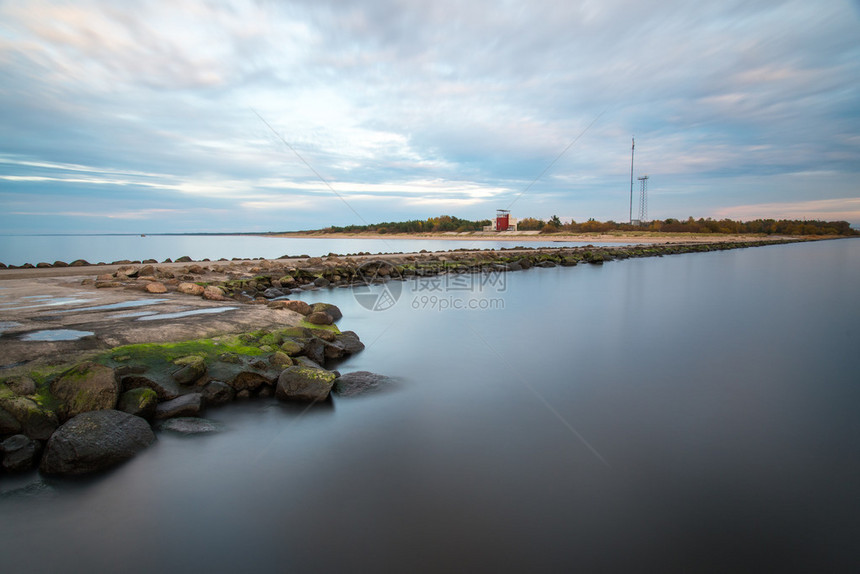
(85, 387)
(332, 351)
(360, 382)
(95, 441)
(350, 342)
(190, 369)
(165, 390)
(9, 425)
(189, 426)
(218, 392)
(322, 282)
(331, 310)
(188, 405)
(545, 264)
(304, 384)
(140, 402)
(272, 292)
(315, 350)
(324, 334)
(320, 318)
(21, 453)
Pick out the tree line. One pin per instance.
(554, 224)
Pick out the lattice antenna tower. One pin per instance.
(643, 199)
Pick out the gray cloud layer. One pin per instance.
(146, 111)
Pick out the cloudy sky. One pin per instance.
(157, 116)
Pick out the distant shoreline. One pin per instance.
(618, 237)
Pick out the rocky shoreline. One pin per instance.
(96, 413)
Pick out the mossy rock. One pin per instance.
(140, 402)
(292, 347)
(36, 421)
(85, 387)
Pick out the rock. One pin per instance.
(190, 369)
(360, 382)
(332, 351)
(272, 293)
(250, 380)
(190, 289)
(165, 391)
(35, 421)
(21, 453)
(196, 270)
(306, 362)
(95, 441)
(545, 264)
(292, 347)
(183, 259)
(188, 405)
(315, 350)
(155, 287)
(9, 425)
(280, 359)
(297, 306)
(60, 264)
(22, 385)
(85, 387)
(320, 318)
(321, 282)
(189, 426)
(304, 384)
(79, 263)
(331, 310)
(325, 335)
(217, 392)
(350, 342)
(213, 293)
(146, 271)
(140, 402)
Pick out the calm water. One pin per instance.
(19, 249)
(689, 413)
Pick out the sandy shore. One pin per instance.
(643, 237)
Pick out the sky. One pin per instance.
(195, 116)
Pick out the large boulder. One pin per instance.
(315, 350)
(95, 441)
(188, 405)
(85, 387)
(140, 402)
(299, 383)
(20, 453)
(360, 382)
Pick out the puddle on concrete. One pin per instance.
(187, 313)
(52, 302)
(134, 314)
(6, 325)
(57, 335)
(121, 305)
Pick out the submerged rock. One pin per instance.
(190, 426)
(360, 382)
(218, 392)
(95, 441)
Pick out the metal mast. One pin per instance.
(643, 200)
(632, 148)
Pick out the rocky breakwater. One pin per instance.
(90, 416)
